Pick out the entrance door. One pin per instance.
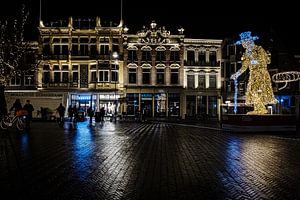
(146, 104)
(146, 108)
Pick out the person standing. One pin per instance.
(90, 113)
(61, 111)
(17, 106)
(70, 113)
(29, 108)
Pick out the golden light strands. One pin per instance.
(259, 91)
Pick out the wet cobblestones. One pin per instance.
(146, 161)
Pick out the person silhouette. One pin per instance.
(259, 88)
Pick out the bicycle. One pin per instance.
(60, 120)
(11, 119)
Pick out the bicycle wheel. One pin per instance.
(3, 124)
(20, 124)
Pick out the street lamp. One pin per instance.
(115, 56)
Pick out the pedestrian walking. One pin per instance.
(90, 113)
(29, 108)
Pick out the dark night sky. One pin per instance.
(200, 19)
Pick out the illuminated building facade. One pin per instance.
(153, 72)
(84, 63)
(78, 65)
(202, 77)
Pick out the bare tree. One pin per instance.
(13, 49)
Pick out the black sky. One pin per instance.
(199, 18)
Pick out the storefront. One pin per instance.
(153, 104)
(110, 102)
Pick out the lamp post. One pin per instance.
(115, 58)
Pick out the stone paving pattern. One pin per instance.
(146, 161)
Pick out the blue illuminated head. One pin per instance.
(245, 37)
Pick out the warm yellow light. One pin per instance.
(259, 91)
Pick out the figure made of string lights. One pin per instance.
(259, 89)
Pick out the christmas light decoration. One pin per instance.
(286, 77)
(235, 95)
(259, 89)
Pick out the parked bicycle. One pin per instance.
(19, 120)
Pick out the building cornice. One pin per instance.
(189, 41)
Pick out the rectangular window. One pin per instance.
(46, 49)
(65, 77)
(190, 57)
(201, 81)
(160, 76)
(104, 49)
(132, 56)
(174, 76)
(213, 58)
(15, 81)
(56, 49)
(46, 77)
(146, 56)
(84, 40)
(132, 75)
(75, 50)
(84, 49)
(201, 58)
(75, 77)
(146, 76)
(103, 76)
(93, 49)
(74, 40)
(56, 40)
(160, 56)
(65, 40)
(114, 75)
(93, 76)
(174, 56)
(64, 49)
(57, 77)
(191, 81)
(115, 48)
(212, 81)
(93, 70)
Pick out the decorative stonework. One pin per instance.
(154, 35)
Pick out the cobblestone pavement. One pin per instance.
(146, 161)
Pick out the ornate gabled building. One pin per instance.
(153, 72)
(202, 77)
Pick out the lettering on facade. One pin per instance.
(31, 94)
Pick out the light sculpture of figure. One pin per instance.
(259, 90)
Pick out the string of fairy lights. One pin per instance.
(259, 89)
